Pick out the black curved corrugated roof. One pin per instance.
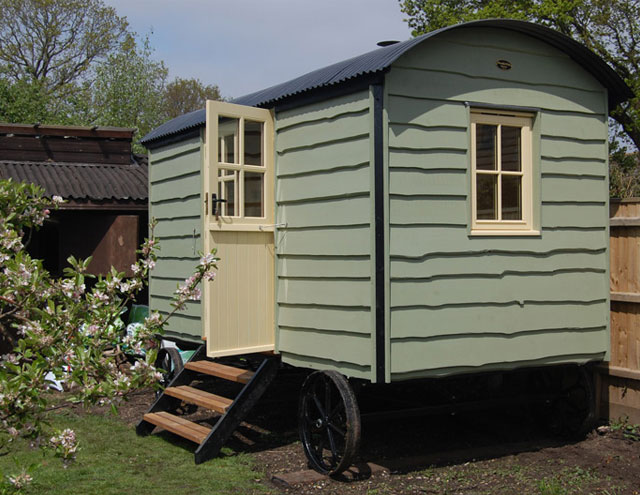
(381, 59)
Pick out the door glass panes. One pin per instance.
(511, 148)
(253, 194)
(486, 147)
(228, 135)
(253, 137)
(487, 197)
(511, 197)
(230, 195)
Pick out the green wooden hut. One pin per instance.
(434, 207)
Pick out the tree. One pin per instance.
(129, 88)
(186, 95)
(24, 101)
(59, 326)
(55, 42)
(610, 28)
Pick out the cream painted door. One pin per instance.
(238, 311)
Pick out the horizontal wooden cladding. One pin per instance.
(575, 126)
(496, 264)
(625, 222)
(428, 159)
(328, 212)
(555, 287)
(183, 328)
(346, 125)
(59, 149)
(326, 109)
(408, 137)
(173, 150)
(352, 293)
(347, 181)
(336, 318)
(553, 147)
(567, 188)
(330, 241)
(173, 227)
(161, 301)
(176, 166)
(337, 346)
(406, 210)
(315, 363)
(412, 355)
(178, 207)
(418, 241)
(574, 167)
(180, 247)
(409, 182)
(334, 155)
(180, 188)
(426, 112)
(175, 268)
(477, 55)
(585, 216)
(578, 359)
(487, 319)
(461, 87)
(319, 267)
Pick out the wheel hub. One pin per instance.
(319, 423)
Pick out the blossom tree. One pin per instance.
(59, 327)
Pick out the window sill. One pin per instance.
(506, 233)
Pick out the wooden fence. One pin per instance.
(619, 380)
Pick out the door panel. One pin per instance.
(238, 311)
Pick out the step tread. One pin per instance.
(221, 371)
(199, 397)
(180, 426)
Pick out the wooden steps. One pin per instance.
(221, 371)
(199, 397)
(232, 411)
(175, 424)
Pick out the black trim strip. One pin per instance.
(378, 166)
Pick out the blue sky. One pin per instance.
(247, 45)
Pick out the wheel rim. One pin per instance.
(329, 422)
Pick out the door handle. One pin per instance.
(214, 204)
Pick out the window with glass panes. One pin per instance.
(241, 168)
(501, 156)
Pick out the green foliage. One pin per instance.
(629, 431)
(112, 460)
(129, 88)
(186, 95)
(610, 28)
(55, 42)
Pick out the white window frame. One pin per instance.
(499, 226)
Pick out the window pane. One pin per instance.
(228, 134)
(253, 143)
(511, 197)
(486, 148)
(253, 194)
(511, 148)
(227, 191)
(487, 197)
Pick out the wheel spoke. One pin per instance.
(327, 395)
(339, 431)
(318, 405)
(332, 445)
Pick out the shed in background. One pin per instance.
(103, 182)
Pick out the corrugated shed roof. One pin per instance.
(86, 181)
(381, 59)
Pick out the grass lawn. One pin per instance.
(112, 460)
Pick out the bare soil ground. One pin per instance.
(491, 452)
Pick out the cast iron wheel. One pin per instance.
(170, 363)
(329, 422)
(574, 410)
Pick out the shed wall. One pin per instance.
(174, 201)
(459, 302)
(323, 254)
